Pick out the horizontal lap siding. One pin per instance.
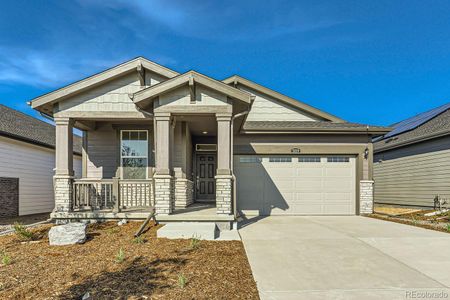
(33, 165)
(405, 178)
(103, 147)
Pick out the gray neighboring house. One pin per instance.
(27, 160)
(200, 149)
(412, 162)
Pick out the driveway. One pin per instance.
(346, 258)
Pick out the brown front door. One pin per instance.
(206, 170)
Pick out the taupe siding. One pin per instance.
(413, 175)
(33, 165)
(103, 147)
(265, 108)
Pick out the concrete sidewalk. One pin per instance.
(345, 258)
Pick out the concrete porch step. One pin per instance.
(200, 230)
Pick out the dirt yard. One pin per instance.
(149, 268)
(414, 217)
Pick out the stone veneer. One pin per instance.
(184, 192)
(366, 196)
(224, 194)
(164, 191)
(9, 197)
(63, 193)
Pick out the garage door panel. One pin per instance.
(292, 187)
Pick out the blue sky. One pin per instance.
(373, 62)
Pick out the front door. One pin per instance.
(206, 170)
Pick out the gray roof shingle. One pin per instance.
(18, 125)
(308, 125)
(437, 126)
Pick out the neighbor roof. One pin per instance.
(17, 125)
(99, 78)
(430, 127)
(312, 126)
(236, 79)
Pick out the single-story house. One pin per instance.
(202, 149)
(27, 161)
(412, 162)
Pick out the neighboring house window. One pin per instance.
(134, 154)
(338, 159)
(280, 159)
(249, 159)
(309, 159)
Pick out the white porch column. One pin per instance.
(163, 178)
(223, 177)
(64, 165)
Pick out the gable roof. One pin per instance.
(425, 126)
(236, 79)
(17, 125)
(190, 77)
(312, 126)
(40, 102)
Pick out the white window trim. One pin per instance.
(121, 157)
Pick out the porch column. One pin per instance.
(163, 178)
(223, 177)
(64, 165)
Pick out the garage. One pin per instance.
(295, 185)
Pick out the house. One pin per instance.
(202, 149)
(411, 163)
(27, 160)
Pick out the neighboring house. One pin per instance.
(412, 162)
(152, 135)
(27, 161)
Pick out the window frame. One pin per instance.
(338, 159)
(310, 157)
(122, 157)
(280, 159)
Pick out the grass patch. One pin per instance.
(182, 281)
(22, 232)
(139, 240)
(195, 242)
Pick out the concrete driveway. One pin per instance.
(346, 258)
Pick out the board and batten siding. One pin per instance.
(266, 108)
(103, 151)
(33, 165)
(413, 175)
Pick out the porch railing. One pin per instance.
(114, 194)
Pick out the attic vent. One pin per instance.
(206, 147)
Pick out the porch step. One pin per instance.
(187, 230)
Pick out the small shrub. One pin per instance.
(195, 242)
(182, 281)
(22, 232)
(120, 256)
(138, 240)
(448, 227)
(5, 258)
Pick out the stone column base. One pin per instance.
(63, 186)
(366, 196)
(184, 192)
(223, 194)
(163, 194)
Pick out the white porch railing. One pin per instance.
(114, 194)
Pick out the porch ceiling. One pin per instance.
(200, 125)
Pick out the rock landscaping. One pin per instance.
(113, 264)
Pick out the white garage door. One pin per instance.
(295, 185)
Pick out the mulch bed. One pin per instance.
(418, 219)
(150, 270)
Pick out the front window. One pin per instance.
(134, 153)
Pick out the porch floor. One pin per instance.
(200, 212)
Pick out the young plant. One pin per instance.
(182, 281)
(138, 240)
(195, 242)
(22, 232)
(5, 258)
(448, 227)
(120, 256)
